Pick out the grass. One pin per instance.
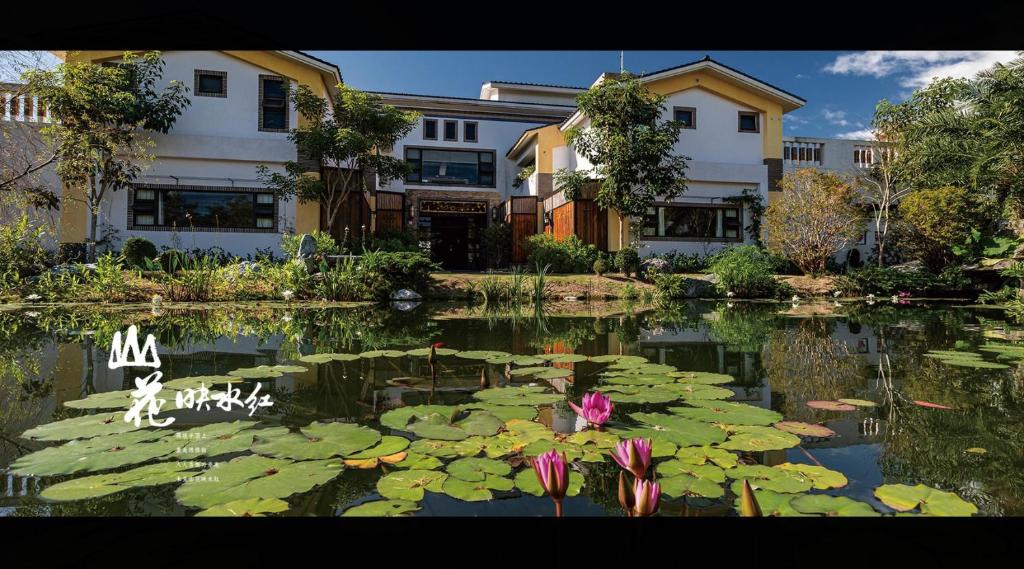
(466, 285)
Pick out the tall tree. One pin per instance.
(101, 114)
(23, 153)
(630, 147)
(345, 142)
(815, 217)
(883, 185)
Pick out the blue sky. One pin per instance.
(841, 88)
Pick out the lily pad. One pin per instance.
(475, 491)
(704, 454)
(639, 394)
(768, 478)
(572, 452)
(254, 476)
(830, 406)
(698, 391)
(107, 484)
(83, 427)
(705, 471)
(265, 371)
(197, 381)
(417, 461)
(822, 478)
(858, 402)
(775, 504)
(637, 379)
(251, 507)
(528, 370)
(220, 438)
(387, 446)
(480, 354)
(678, 430)
(505, 412)
(805, 429)
(330, 357)
(526, 360)
(424, 352)
(553, 373)
(446, 449)
(399, 418)
(755, 438)
(409, 484)
(600, 439)
(701, 377)
(477, 469)
(382, 509)
(526, 481)
(524, 395)
(931, 405)
(840, 506)
(567, 358)
(686, 485)
(727, 412)
(903, 498)
(316, 441)
(96, 454)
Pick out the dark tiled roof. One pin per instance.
(539, 85)
(325, 62)
(708, 58)
(488, 101)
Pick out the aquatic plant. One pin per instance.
(540, 285)
(596, 409)
(646, 498)
(634, 455)
(552, 472)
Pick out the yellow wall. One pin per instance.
(771, 130)
(74, 215)
(548, 139)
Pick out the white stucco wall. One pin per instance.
(716, 137)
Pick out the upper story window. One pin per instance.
(451, 130)
(685, 222)
(273, 104)
(211, 83)
(863, 156)
(450, 167)
(802, 153)
(748, 121)
(430, 129)
(469, 131)
(686, 115)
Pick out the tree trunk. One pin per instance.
(622, 231)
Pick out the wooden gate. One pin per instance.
(521, 214)
(390, 212)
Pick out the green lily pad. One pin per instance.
(424, 352)
(830, 406)
(567, 358)
(526, 360)
(481, 354)
(553, 373)
(685, 485)
(251, 507)
(805, 429)
(106, 400)
(265, 371)
(84, 427)
(409, 484)
(254, 476)
(768, 478)
(524, 395)
(572, 452)
(608, 358)
(382, 353)
(637, 379)
(903, 498)
(96, 454)
(446, 449)
(505, 412)
(840, 506)
(701, 377)
(526, 481)
(107, 484)
(528, 370)
(676, 467)
(676, 430)
(821, 477)
(477, 469)
(698, 391)
(436, 426)
(399, 418)
(417, 461)
(858, 402)
(316, 441)
(600, 439)
(775, 504)
(387, 446)
(726, 412)
(704, 454)
(197, 381)
(755, 438)
(476, 491)
(220, 438)
(382, 509)
(326, 358)
(639, 394)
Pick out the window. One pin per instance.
(469, 131)
(211, 83)
(748, 122)
(451, 130)
(273, 103)
(687, 116)
(450, 167)
(693, 222)
(218, 209)
(430, 129)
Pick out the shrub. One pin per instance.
(887, 281)
(679, 262)
(168, 261)
(383, 273)
(190, 279)
(339, 282)
(932, 222)
(21, 250)
(627, 261)
(600, 266)
(137, 249)
(653, 266)
(569, 255)
(493, 289)
(395, 242)
(746, 271)
(497, 244)
(670, 286)
(110, 279)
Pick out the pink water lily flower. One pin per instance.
(552, 472)
(596, 408)
(634, 455)
(646, 496)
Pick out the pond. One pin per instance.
(805, 402)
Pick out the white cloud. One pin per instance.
(795, 119)
(801, 76)
(917, 68)
(864, 134)
(837, 118)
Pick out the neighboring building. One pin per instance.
(844, 156)
(201, 190)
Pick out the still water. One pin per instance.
(780, 357)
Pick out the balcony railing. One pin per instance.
(802, 153)
(19, 107)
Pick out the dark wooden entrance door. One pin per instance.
(455, 240)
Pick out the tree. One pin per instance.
(934, 220)
(100, 115)
(815, 217)
(883, 187)
(344, 142)
(23, 153)
(630, 147)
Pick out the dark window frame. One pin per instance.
(693, 115)
(757, 121)
(476, 131)
(286, 89)
(455, 137)
(154, 207)
(425, 123)
(223, 93)
(416, 175)
(725, 223)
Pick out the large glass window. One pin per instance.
(450, 167)
(693, 222)
(203, 209)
